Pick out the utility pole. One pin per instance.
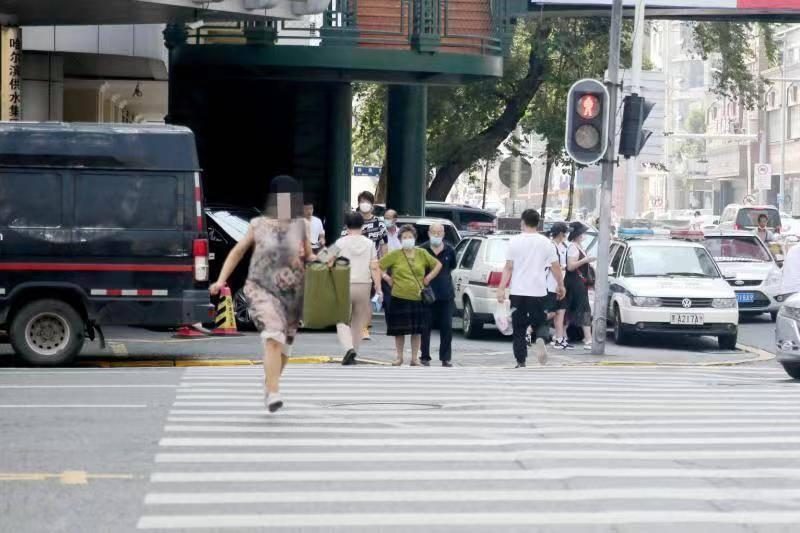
(604, 239)
(784, 126)
(632, 174)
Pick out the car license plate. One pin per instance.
(745, 297)
(685, 319)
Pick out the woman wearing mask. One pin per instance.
(364, 274)
(577, 282)
(558, 307)
(411, 269)
(374, 230)
(274, 286)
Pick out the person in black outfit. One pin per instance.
(441, 311)
(578, 281)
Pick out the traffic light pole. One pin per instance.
(604, 239)
(632, 173)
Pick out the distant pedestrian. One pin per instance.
(393, 243)
(412, 269)
(558, 307)
(764, 233)
(578, 280)
(393, 236)
(275, 281)
(441, 311)
(364, 275)
(317, 230)
(528, 257)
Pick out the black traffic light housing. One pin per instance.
(587, 121)
(632, 138)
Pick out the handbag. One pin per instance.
(428, 296)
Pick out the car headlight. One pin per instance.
(773, 278)
(646, 301)
(723, 303)
(790, 312)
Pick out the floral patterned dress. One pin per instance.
(275, 281)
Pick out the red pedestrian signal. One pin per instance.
(587, 122)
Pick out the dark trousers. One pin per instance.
(526, 311)
(441, 313)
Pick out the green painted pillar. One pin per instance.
(406, 143)
(340, 165)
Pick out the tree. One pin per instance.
(467, 124)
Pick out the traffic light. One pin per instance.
(587, 121)
(632, 138)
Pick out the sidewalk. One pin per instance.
(131, 346)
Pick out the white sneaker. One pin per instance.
(274, 402)
(541, 351)
(587, 346)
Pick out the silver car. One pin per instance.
(787, 335)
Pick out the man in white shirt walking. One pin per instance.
(529, 258)
(317, 237)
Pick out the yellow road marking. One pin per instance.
(67, 477)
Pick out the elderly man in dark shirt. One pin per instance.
(442, 310)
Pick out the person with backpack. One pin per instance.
(558, 308)
(579, 278)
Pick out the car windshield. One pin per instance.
(496, 252)
(741, 249)
(748, 217)
(669, 261)
(234, 222)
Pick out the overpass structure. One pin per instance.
(266, 85)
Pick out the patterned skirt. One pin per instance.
(406, 317)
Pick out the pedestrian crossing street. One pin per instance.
(477, 449)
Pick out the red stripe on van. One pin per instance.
(94, 267)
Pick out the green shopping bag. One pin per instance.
(326, 296)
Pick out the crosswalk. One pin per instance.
(477, 449)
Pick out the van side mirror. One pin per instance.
(611, 271)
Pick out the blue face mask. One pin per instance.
(389, 224)
(408, 244)
(436, 241)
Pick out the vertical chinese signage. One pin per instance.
(10, 73)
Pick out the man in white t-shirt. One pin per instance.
(529, 258)
(317, 230)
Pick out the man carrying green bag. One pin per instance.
(353, 287)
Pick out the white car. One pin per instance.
(750, 269)
(669, 286)
(480, 261)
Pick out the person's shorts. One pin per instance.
(553, 304)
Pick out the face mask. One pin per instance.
(408, 244)
(365, 207)
(436, 241)
(389, 224)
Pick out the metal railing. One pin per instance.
(421, 25)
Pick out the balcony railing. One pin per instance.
(427, 26)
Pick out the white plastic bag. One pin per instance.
(502, 318)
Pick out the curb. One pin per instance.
(762, 356)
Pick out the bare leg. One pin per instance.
(415, 342)
(587, 334)
(559, 322)
(273, 364)
(400, 346)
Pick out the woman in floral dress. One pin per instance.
(275, 281)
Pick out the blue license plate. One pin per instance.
(745, 297)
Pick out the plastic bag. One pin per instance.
(502, 318)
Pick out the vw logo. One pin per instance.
(739, 282)
(686, 303)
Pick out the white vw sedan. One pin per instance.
(669, 286)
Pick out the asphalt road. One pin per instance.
(634, 449)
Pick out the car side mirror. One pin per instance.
(611, 271)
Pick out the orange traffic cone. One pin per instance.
(225, 322)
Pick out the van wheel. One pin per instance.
(727, 342)
(621, 335)
(472, 326)
(793, 369)
(47, 332)
(241, 311)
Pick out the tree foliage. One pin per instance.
(468, 124)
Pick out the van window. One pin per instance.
(471, 254)
(748, 217)
(30, 200)
(126, 201)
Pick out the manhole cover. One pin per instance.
(384, 406)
